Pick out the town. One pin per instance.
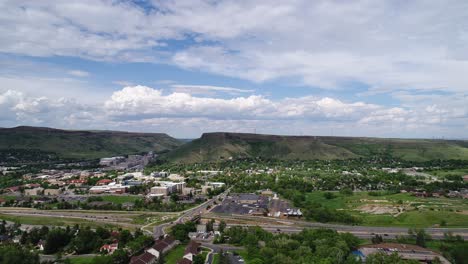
(192, 213)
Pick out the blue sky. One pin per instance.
(343, 68)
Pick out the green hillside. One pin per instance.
(214, 146)
(83, 144)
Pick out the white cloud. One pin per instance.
(207, 89)
(141, 108)
(78, 73)
(384, 44)
(415, 52)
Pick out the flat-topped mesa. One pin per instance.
(222, 145)
(84, 144)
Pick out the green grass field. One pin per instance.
(418, 212)
(442, 173)
(120, 199)
(175, 254)
(81, 260)
(216, 258)
(53, 221)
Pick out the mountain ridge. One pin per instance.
(221, 145)
(84, 144)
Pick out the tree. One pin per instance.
(120, 256)
(198, 259)
(56, 239)
(222, 226)
(10, 253)
(180, 231)
(102, 232)
(24, 238)
(346, 191)
(209, 225)
(377, 239)
(125, 236)
(422, 237)
(86, 241)
(329, 195)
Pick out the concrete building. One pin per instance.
(188, 191)
(111, 161)
(52, 192)
(33, 192)
(173, 186)
(161, 190)
(176, 177)
(110, 188)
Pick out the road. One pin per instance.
(44, 258)
(189, 214)
(216, 248)
(295, 226)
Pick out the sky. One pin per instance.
(299, 67)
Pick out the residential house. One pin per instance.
(151, 255)
(161, 246)
(109, 248)
(145, 258)
(192, 249)
(12, 189)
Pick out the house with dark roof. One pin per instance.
(145, 258)
(192, 249)
(161, 246)
(151, 255)
(184, 261)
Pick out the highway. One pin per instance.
(295, 226)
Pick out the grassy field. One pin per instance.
(7, 197)
(81, 260)
(175, 254)
(53, 221)
(216, 258)
(443, 173)
(120, 199)
(382, 210)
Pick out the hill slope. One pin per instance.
(83, 144)
(213, 146)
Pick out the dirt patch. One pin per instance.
(373, 201)
(380, 209)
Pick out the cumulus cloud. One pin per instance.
(386, 44)
(20, 108)
(145, 103)
(414, 52)
(142, 108)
